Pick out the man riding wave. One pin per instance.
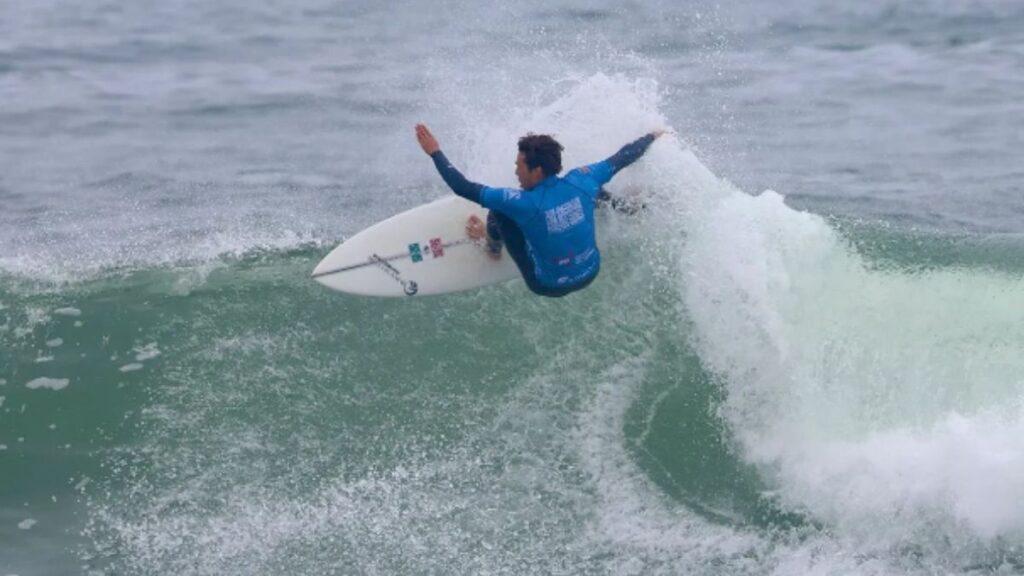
(547, 225)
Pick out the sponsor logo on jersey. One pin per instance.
(564, 216)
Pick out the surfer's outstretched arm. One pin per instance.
(455, 180)
(451, 175)
(602, 172)
(633, 151)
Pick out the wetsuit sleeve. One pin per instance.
(507, 201)
(455, 180)
(592, 176)
(630, 153)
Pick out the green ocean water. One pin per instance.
(193, 397)
(239, 418)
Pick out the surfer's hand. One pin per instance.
(658, 133)
(475, 228)
(426, 139)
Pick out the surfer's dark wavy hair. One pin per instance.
(541, 151)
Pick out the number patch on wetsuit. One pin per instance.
(564, 216)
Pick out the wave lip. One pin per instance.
(879, 401)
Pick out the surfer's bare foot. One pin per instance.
(477, 230)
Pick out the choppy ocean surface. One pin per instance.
(806, 360)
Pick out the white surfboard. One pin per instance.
(419, 252)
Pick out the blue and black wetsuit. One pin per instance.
(549, 229)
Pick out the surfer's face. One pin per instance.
(527, 178)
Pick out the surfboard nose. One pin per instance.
(319, 270)
(323, 269)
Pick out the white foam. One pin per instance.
(131, 367)
(44, 359)
(147, 352)
(68, 311)
(48, 383)
(27, 524)
(56, 342)
(960, 472)
(880, 402)
(34, 316)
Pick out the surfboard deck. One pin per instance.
(420, 252)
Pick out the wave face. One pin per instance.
(882, 402)
(751, 387)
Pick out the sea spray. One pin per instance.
(877, 401)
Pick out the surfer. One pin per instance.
(547, 226)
